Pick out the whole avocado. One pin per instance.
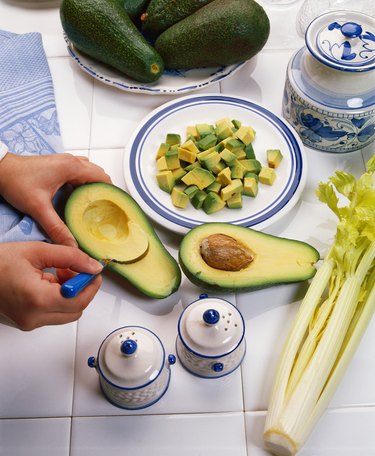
(103, 30)
(220, 33)
(162, 14)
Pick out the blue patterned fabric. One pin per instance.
(28, 117)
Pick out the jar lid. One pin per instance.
(211, 327)
(131, 357)
(344, 40)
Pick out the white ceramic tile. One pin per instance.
(37, 372)
(35, 437)
(117, 113)
(269, 314)
(111, 160)
(339, 432)
(187, 435)
(117, 306)
(27, 16)
(262, 81)
(73, 93)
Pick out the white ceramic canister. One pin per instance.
(210, 341)
(329, 95)
(132, 366)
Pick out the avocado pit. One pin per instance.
(224, 252)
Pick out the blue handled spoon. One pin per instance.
(76, 284)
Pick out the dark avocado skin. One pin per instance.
(162, 14)
(103, 30)
(197, 40)
(135, 8)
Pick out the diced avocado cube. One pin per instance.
(253, 175)
(235, 202)
(245, 134)
(171, 157)
(192, 131)
(251, 165)
(190, 190)
(237, 170)
(190, 145)
(234, 145)
(207, 142)
(274, 157)
(186, 155)
(267, 175)
(204, 129)
(240, 154)
(211, 160)
(173, 138)
(212, 203)
(227, 156)
(198, 199)
(192, 166)
(216, 169)
(225, 176)
(205, 153)
(178, 173)
(200, 177)
(237, 123)
(224, 122)
(163, 148)
(249, 151)
(224, 131)
(250, 186)
(231, 189)
(161, 164)
(165, 180)
(179, 198)
(214, 187)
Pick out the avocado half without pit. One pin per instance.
(226, 257)
(108, 224)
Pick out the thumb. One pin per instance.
(65, 257)
(55, 227)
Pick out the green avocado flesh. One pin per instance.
(108, 224)
(222, 32)
(276, 260)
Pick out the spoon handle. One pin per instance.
(73, 286)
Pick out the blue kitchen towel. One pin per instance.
(28, 118)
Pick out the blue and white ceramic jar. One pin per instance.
(210, 341)
(329, 95)
(133, 369)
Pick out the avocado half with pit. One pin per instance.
(108, 223)
(226, 257)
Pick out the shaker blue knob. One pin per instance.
(211, 316)
(128, 347)
(218, 367)
(351, 30)
(91, 361)
(171, 359)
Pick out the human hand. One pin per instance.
(30, 297)
(29, 184)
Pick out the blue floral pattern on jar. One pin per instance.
(327, 131)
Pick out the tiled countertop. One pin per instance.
(50, 401)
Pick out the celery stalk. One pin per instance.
(331, 321)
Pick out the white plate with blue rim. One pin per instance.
(171, 82)
(272, 132)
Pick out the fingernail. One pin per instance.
(96, 265)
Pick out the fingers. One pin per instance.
(52, 224)
(54, 309)
(62, 257)
(81, 171)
